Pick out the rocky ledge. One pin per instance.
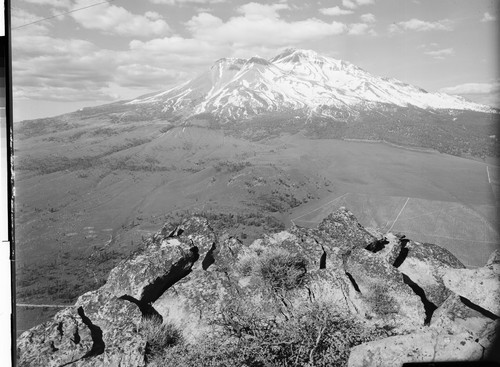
(333, 295)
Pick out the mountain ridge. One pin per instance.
(295, 79)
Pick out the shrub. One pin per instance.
(282, 270)
(159, 337)
(316, 336)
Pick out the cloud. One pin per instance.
(440, 54)
(487, 17)
(335, 11)
(75, 69)
(358, 29)
(117, 20)
(260, 25)
(54, 3)
(21, 17)
(485, 93)
(178, 2)
(421, 25)
(473, 88)
(353, 4)
(368, 18)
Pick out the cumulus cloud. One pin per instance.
(54, 3)
(334, 11)
(473, 88)
(58, 69)
(357, 29)
(487, 17)
(368, 18)
(421, 25)
(353, 4)
(178, 2)
(260, 24)
(440, 54)
(485, 93)
(21, 17)
(118, 20)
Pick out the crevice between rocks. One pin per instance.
(209, 257)
(377, 245)
(429, 306)
(98, 345)
(478, 308)
(403, 253)
(179, 270)
(322, 259)
(353, 282)
(147, 310)
(176, 232)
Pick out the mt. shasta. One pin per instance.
(299, 80)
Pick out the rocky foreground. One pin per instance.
(334, 295)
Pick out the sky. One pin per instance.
(69, 54)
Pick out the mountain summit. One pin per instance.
(295, 80)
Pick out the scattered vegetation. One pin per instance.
(281, 270)
(316, 336)
(231, 167)
(159, 337)
(65, 278)
(382, 302)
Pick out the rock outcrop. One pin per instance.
(425, 304)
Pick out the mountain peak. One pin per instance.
(296, 55)
(296, 79)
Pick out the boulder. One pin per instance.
(385, 293)
(479, 286)
(339, 229)
(100, 330)
(454, 316)
(425, 264)
(428, 346)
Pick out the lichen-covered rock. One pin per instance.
(480, 286)
(453, 316)
(340, 229)
(97, 331)
(425, 264)
(168, 262)
(428, 346)
(384, 290)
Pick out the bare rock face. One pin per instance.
(419, 347)
(100, 330)
(341, 229)
(383, 288)
(479, 286)
(425, 264)
(454, 316)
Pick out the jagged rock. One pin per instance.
(494, 258)
(384, 291)
(296, 241)
(429, 346)
(425, 265)
(453, 316)
(391, 248)
(480, 286)
(102, 333)
(201, 281)
(341, 229)
(193, 301)
(147, 275)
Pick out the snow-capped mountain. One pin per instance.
(294, 80)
